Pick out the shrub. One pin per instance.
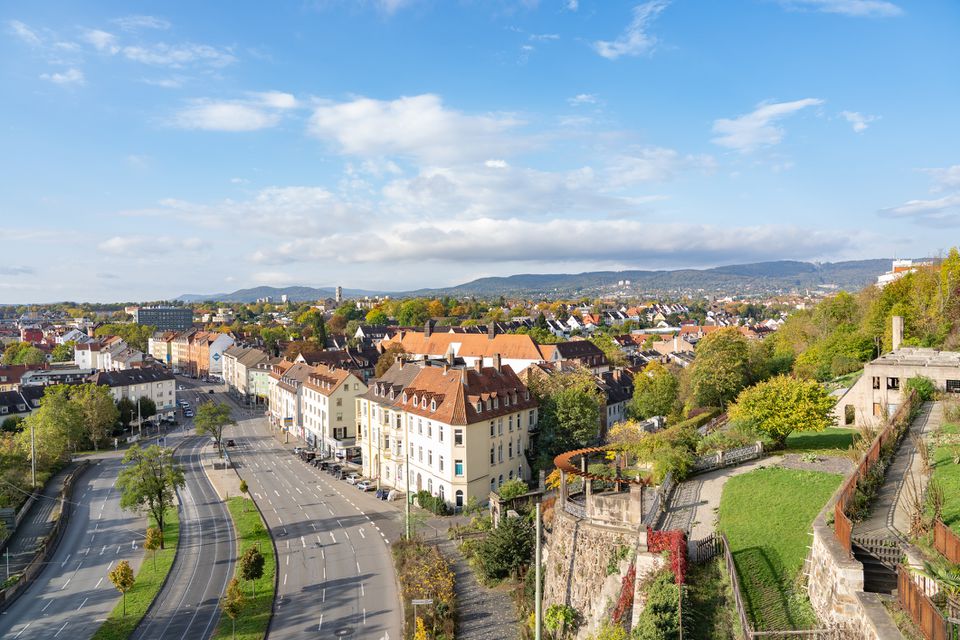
(431, 503)
(423, 572)
(660, 618)
(512, 488)
(723, 440)
(924, 387)
(560, 620)
(506, 551)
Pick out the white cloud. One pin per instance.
(138, 245)
(543, 37)
(758, 129)
(635, 40)
(653, 164)
(172, 82)
(938, 211)
(70, 76)
(496, 164)
(101, 40)
(853, 8)
(25, 33)
(946, 177)
(859, 121)
(276, 99)
(573, 5)
(582, 99)
(420, 127)
(136, 23)
(261, 111)
(179, 55)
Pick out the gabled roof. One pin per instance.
(468, 345)
(325, 380)
(127, 377)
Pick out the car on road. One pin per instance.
(297, 450)
(188, 413)
(210, 391)
(231, 443)
(353, 478)
(365, 485)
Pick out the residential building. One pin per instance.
(154, 383)
(285, 398)
(239, 365)
(55, 374)
(10, 374)
(461, 431)
(329, 410)
(515, 350)
(164, 318)
(159, 346)
(581, 352)
(205, 352)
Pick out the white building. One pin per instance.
(329, 410)
(157, 384)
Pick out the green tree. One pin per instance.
(212, 418)
(656, 392)
(57, 426)
(610, 348)
(23, 353)
(153, 542)
(63, 352)
(147, 408)
(149, 481)
(507, 550)
(660, 618)
(99, 411)
(570, 405)
(251, 567)
(413, 312)
(126, 411)
(377, 317)
(387, 358)
(317, 323)
(272, 336)
(122, 578)
(232, 603)
(512, 488)
(13, 424)
(721, 368)
(781, 405)
(135, 335)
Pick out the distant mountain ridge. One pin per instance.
(758, 277)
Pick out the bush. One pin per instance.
(659, 619)
(723, 440)
(512, 488)
(924, 387)
(423, 572)
(506, 551)
(431, 503)
(699, 417)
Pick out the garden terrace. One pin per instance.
(609, 492)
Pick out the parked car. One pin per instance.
(188, 413)
(210, 391)
(365, 485)
(335, 469)
(231, 443)
(297, 450)
(353, 478)
(323, 465)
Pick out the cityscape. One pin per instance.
(533, 319)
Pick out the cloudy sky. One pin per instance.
(393, 144)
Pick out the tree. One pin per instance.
(315, 320)
(251, 566)
(610, 348)
(512, 488)
(413, 312)
(212, 418)
(507, 550)
(721, 367)
(63, 352)
(122, 578)
(656, 392)
(244, 489)
(232, 603)
(146, 407)
(569, 413)
(135, 335)
(781, 405)
(149, 481)
(377, 317)
(126, 411)
(57, 426)
(13, 424)
(23, 353)
(98, 409)
(153, 542)
(541, 322)
(387, 358)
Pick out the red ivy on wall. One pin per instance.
(625, 602)
(675, 542)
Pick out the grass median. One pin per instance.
(251, 531)
(149, 580)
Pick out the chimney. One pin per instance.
(491, 330)
(463, 376)
(897, 331)
(450, 357)
(478, 365)
(496, 361)
(427, 328)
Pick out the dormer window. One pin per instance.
(404, 397)
(526, 395)
(414, 399)
(506, 401)
(496, 403)
(423, 403)
(479, 406)
(433, 405)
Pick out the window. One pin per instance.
(429, 430)
(459, 498)
(511, 475)
(419, 427)
(458, 467)
(440, 462)
(533, 418)
(953, 386)
(433, 405)
(429, 458)
(876, 382)
(441, 433)
(849, 414)
(339, 402)
(442, 496)
(493, 459)
(420, 454)
(493, 484)
(479, 407)
(430, 485)
(877, 410)
(500, 480)
(893, 384)
(510, 449)
(458, 437)
(510, 420)
(339, 433)
(500, 426)
(500, 452)
(492, 433)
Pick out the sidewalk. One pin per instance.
(37, 523)
(890, 513)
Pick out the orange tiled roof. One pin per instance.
(468, 345)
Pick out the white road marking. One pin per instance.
(333, 537)
(103, 549)
(364, 615)
(82, 603)
(49, 602)
(288, 561)
(358, 566)
(61, 629)
(66, 583)
(361, 534)
(284, 579)
(276, 492)
(323, 595)
(98, 583)
(321, 623)
(22, 630)
(303, 542)
(361, 590)
(65, 560)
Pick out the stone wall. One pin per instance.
(835, 587)
(581, 550)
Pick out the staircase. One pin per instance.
(879, 557)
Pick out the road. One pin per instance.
(72, 595)
(336, 575)
(187, 608)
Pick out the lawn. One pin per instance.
(948, 474)
(148, 582)
(251, 531)
(712, 613)
(832, 441)
(766, 515)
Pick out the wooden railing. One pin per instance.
(891, 432)
(931, 622)
(946, 542)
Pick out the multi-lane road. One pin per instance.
(335, 571)
(187, 608)
(72, 595)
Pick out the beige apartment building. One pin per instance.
(329, 410)
(455, 432)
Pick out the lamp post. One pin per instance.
(406, 475)
(538, 617)
(33, 456)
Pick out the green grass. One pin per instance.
(832, 441)
(766, 515)
(251, 531)
(948, 474)
(712, 612)
(145, 588)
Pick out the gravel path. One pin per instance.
(485, 614)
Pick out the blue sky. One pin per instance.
(394, 144)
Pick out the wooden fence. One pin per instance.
(891, 432)
(932, 623)
(946, 542)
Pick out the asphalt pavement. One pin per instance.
(336, 577)
(187, 608)
(72, 595)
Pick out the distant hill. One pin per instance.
(295, 294)
(758, 278)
